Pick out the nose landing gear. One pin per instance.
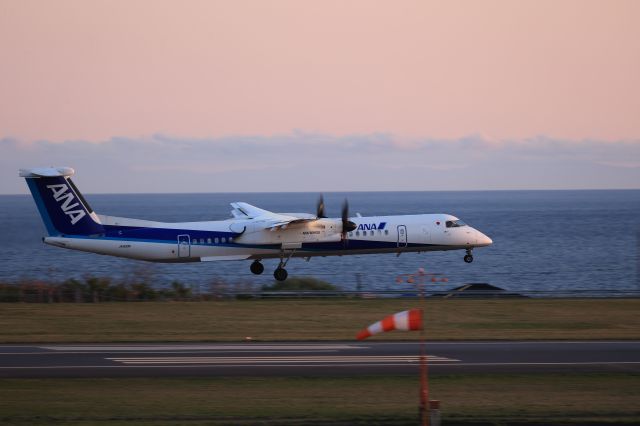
(469, 256)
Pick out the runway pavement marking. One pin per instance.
(388, 364)
(288, 347)
(241, 347)
(515, 342)
(203, 351)
(281, 359)
(61, 367)
(488, 364)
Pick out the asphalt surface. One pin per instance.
(300, 358)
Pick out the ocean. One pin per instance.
(556, 241)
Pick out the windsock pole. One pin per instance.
(420, 278)
(424, 384)
(407, 320)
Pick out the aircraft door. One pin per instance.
(184, 246)
(426, 235)
(402, 236)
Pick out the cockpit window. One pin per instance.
(455, 223)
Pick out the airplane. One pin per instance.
(250, 234)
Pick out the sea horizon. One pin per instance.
(560, 240)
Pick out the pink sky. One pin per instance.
(91, 70)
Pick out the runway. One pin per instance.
(313, 359)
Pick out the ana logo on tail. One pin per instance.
(62, 195)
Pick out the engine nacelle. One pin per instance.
(321, 230)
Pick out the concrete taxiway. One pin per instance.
(301, 358)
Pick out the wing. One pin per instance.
(247, 211)
(267, 219)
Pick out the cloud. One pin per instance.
(312, 162)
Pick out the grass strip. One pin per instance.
(466, 399)
(281, 320)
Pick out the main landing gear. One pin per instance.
(280, 273)
(469, 256)
(257, 267)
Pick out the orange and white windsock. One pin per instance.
(405, 320)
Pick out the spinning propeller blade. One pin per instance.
(320, 208)
(347, 225)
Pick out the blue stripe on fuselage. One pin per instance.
(161, 234)
(170, 236)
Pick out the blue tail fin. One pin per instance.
(63, 209)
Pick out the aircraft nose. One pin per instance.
(483, 240)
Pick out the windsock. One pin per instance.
(405, 320)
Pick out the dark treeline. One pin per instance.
(91, 289)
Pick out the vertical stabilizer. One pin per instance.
(62, 207)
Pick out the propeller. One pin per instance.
(347, 225)
(320, 208)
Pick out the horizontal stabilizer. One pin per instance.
(46, 172)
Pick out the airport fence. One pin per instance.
(99, 290)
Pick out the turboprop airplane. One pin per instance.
(251, 234)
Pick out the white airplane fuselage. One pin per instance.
(210, 241)
(252, 233)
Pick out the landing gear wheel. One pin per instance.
(257, 267)
(468, 258)
(280, 274)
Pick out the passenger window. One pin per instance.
(230, 239)
(386, 232)
(217, 240)
(224, 240)
(351, 234)
(357, 233)
(208, 240)
(371, 233)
